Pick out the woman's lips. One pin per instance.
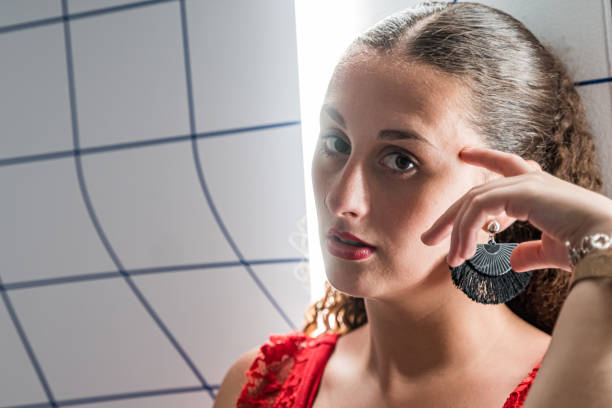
(347, 236)
(348, 251)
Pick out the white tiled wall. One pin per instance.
(134, 273)
(24, 11)
(129, 75)
(243, 53)
(35, 104)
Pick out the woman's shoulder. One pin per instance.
(234, 380)
(259, 375)
(281, 347)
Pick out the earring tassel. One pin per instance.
(487, 277)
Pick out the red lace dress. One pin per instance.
(289, 367)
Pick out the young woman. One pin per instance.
(391, 172)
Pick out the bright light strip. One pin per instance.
(324, 29)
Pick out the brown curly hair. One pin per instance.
(523, 101)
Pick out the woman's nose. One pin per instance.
(348, 194)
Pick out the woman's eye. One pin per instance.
(404, 163)
(335, 143)
(396, 162)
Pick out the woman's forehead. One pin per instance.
(371, 93)
(395, 87)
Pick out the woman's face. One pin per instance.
(392, 132)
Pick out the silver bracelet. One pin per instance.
(589, 243)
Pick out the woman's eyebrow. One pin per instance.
(389, 134)
(385, 134)
(334, 114)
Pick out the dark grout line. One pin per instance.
(202, 181)
(85, 14)
(96, 223)
(139, 272)
(593, 81)
(115, 9)
(30, 24)
(28, 347)
(115, 397)
(143, 143)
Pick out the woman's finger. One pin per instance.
(506, 164)
(462, 239)
(444, 224)
(492, 202)
(539, 254)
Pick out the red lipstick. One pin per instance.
(347, 250)
(347, 236)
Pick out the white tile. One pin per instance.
(19, 383)
(288, 284)
(198, 399)
(152, 208)
(597, 100)
(574, 29)
(260, 197)
(78, 6)
(23, 11)
(243, 62)
(46, 230)
(216, 313)
(130, 75)
(34, 84)
(95, 338)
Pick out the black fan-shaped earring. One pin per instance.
(487, 276)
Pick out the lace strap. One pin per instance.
(275, 378)
(518, 396)
(299, 389)
(268, 371)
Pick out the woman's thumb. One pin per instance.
(531, 255)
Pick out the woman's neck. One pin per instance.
(415, 336)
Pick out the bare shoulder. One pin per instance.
(234, 380)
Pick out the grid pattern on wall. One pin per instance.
(195, 137)
(186, 130)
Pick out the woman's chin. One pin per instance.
(370, 282)
(352, 283)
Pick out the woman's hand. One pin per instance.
(561, 210)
